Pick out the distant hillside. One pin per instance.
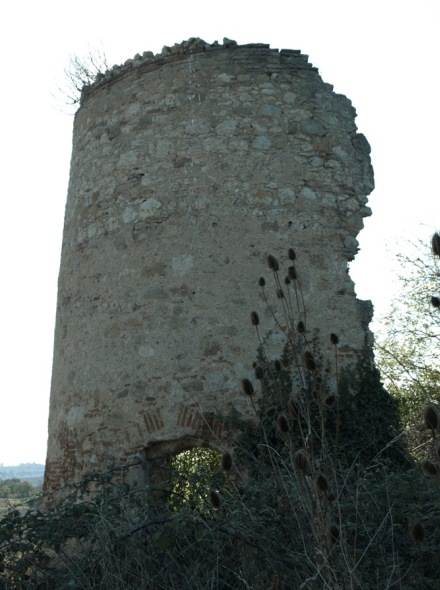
(31, 472)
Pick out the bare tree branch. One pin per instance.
(81, 72)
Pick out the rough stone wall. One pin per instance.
(188, 169)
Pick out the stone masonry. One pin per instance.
(188, 169)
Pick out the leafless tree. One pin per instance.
(81, 72)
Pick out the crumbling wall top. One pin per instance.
(277, 59)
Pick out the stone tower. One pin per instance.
(189, 168)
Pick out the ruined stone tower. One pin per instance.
(189, 168)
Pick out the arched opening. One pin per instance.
(194, 473)
(179, 474)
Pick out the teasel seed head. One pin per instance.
(280, 294)
(255, 319)
(292, 255)
(430, 416)
(292, 273)
(331, 496)
(321, 482)
(247, 387)
(271, 412)
(309, 361)
(300, 460)
(293, 410)
(261, 281)
(429, 468)
(287, 281)
(283, 424)
(227, 461)
(333, 533)
(259, 372)
(334, 339)
(417, 532)
(214, 498)
(330, 400)
(435, 243)
(437, 449)
(435, 301)
(272, 263)
(301, 327)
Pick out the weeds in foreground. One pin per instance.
(316, 494)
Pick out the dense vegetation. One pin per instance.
(16, 488)
(407, 350)
(319, 493)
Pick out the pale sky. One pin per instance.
(382, 54)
